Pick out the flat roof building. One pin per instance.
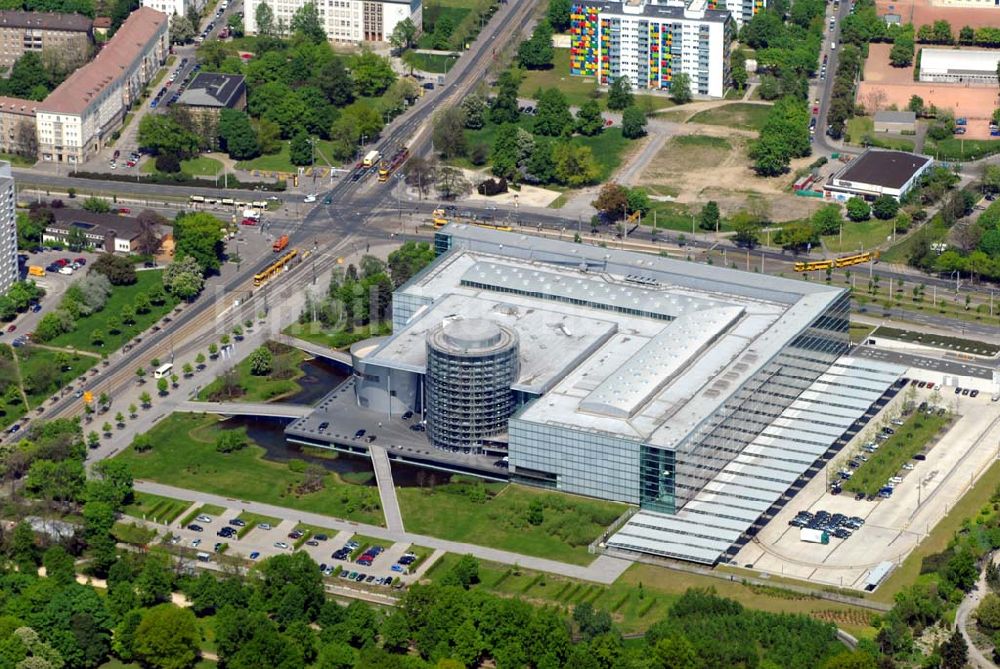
(895, 121)
(877, 172)
(216, 91)
(354, 21)
(977, 67)
(703, 395)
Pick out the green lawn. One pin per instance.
(16, 160)
(933, 230)
(184, 455)
(644, 594)
(80, 337)
(495, 514)
(201, 166)
(39, 363)
(317, 333)
(280, 383)
(132, 533)
(429, 62)
(955, 148)
(252, 520)
(208, 509)
(579, 89)
(861, 130)
(434, 10)
(735, 115)
(867, 234)
(859, 332)
(280, 162)
(909, 439)
(156, 508)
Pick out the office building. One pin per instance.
(650, 43)
(975, 67)
(8, 229)
(877, 172)
(705, 396)
(67, 36)
(76, 119)
(175, 7)
(344, 20)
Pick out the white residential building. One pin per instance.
(8, 230)
(650, 43)
(171, 7)
(344, 20)
(76, 119)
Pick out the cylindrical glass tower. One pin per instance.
(471, 366)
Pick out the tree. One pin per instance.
(464, 573)
(988, 613)
(536, 53)
(306, 24)
(161, 133)
(449, 133)
(589, 121)
(372, 73)
(181, 30)
(797, 236)
(59, 565)
(612, 200)
(633, 123)
(858, 209)
(183, 278)
(553, 117)
(167, 638)
(198, 235)
(680, 88)
(474, 108)
(954, 651)
(300, 151)
(336, 83)
(162, 385)
(901, 54)
(966, 35)
(403, 35)
(420, 172)
(237, 135)
(264, 18)
(620, 94)
(451, 183)
(558, 14)
(504, 108)
(118, 269)
(149, 240)
(97, 205)
(145, 399)
(916, 105)
(827, 220)
(229, 441)
(574, 165)
(885, 207)
(738, 69)
(747, 230)
(261, 361)
(709, 217)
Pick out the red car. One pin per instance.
(62, 262)
(130, 163)
(11, 327)
(124, 211)
(248, 221)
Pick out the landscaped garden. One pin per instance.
(341, 336)
(512, 517)
(199, 166)
(267, 374)
(155, 508)
(183, 450)
(33, 373)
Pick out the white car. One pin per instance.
(204, 519)
(264, 526)
(282, 545)
(65, 269)
(310, 198)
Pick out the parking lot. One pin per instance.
(892, 527)
(263, 542)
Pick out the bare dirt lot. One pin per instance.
(713, 165)
(885, 85)
(919, 12)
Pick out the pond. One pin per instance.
(321, 376)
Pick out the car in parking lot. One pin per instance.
(195, 528)
(320, 537)
(407, 416)
(359, 434)
(295, 534)
(204, 519)
(973, 393)
(236, 522)
(312, 542)
(254, 555)
(281, 544)
(263, 526)
(196, 543)
(417, 427)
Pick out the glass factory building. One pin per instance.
(703, 395)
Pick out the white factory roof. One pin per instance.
(628, 344)
(943, 61)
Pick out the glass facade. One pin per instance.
(755, 405)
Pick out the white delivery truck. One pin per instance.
(813, 536)
(371, 158)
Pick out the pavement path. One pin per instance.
(604, 569)
(968, 606)
(386, 489)
(274, 410)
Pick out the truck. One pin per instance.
(813, 536)
(35, 270)
(371, 158)
(280, 243)
(388, 167)
(438, 218)
(252, 214)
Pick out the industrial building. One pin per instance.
(702, 395)
(877, 172)
(353, 21)
(649, 42)
(8, 229)
(973, 67)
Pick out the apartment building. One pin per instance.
(76, 119)
(344, 20)
(68, 35)
(650, 43)
(17, 126)
(8, 229)
(178, 7)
